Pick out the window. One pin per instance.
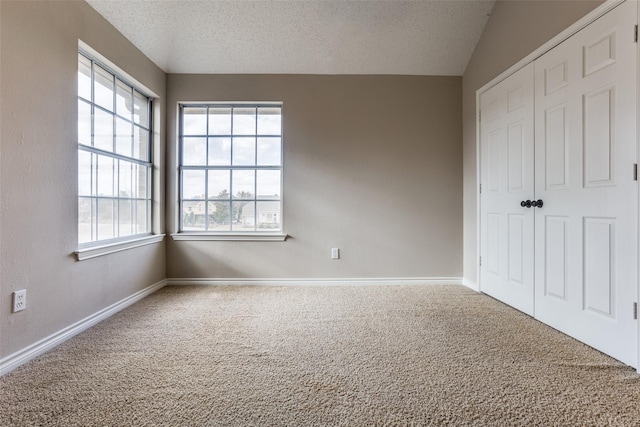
(114, 156)
(231, 168)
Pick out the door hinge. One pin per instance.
(480, 115)
(635, 33)
(480, 188)
(635, 311)
(480, 261)
(635, 171)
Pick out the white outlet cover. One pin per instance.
(335, 253)
(19, 300)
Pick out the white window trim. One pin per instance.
(234, 237)
(96, 251)
(253, 236)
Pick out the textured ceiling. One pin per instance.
(302, 37)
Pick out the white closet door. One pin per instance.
(506, 152)
(586, 230)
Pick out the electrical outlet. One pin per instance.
(335, 253)
(19, 300)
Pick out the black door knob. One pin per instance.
(526, 204)
(537, 203)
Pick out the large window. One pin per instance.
(231, 168)
(114, 156)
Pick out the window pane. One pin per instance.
(220, 216)
(269, 121)
(193, 215)
(84, 123)
(243, 184)
(268, 216)
(140, 109)
(124, 99)
(194, 121)
(219, 121)
(84, 77)
(142, 216)
(194, 151)
(140, 144)
(103, 87)
(244, 151)
(103, 130)
(243, 216)
(219, 151)
(105, 174)
(244, 121)
(141, 181)
(125, 180)
(85, 174)
(124, 137)
(106, 226)
(125, 223)
(219, 184)
(86, 207)
(269, 151)
(268, 183)
(193, 184)
(211, 209)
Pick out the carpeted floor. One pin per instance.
(321, 356)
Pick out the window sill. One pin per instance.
(237, 237)
(96, 251)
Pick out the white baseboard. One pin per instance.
(471, 285)
(21, 357)
(318, 282)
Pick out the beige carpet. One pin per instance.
(321, 356)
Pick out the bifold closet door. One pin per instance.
(506, 156)
(586, 232)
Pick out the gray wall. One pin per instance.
(372, 166)
(515, 29)
(38, 172)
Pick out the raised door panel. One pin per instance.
(515, 251)
(556, 76)
(515, 157)
(599, 148)
(556, 250)
(492, 257)
(556, 148)
(599, 266)
(493, 161)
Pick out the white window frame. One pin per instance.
(98, 247)
(232, 235)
